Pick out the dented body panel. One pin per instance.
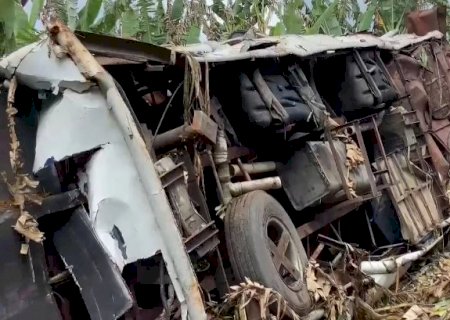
(124, 215)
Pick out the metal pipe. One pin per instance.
(245, 173)
(269, 183)
(390, 266)
(386, 280)
(253, 168)
(222, 164)
(173, 137)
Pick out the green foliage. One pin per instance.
(293, 21)
(326, 21)
(184, 20)
(177, 10)
(72, 14)
(366, 18)
(130, 23)
(35, 11)
(193, 34)
(15, 29)
(88, 14)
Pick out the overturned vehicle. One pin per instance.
(142, 181)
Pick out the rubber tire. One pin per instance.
(245, 233)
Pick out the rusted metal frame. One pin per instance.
(396, 201)
(420, 187)
(194, 187)
(410, 118)
(329, 215)
(200, 238)
(367, 76)
(172, 178)
(408, 194)
(439, 140)
(412, 190)
(419, 190)
(422, 161)
(362, 146)
(220, 274)
(364, 126)
(369, 226)
(169, 177)
(336, 244)
(403, 79)
(339, 165)
(441, 128)
(336, 232)
(216, 176)
(382, 150)
(441, 63)
(317, 251)
(384, 69)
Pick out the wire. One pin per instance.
(167, 108)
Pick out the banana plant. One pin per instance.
(184, 20)
(15, 28)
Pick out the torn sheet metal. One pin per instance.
(24, 289)
(37, 67)
(410, 193)
(102, 287)
(298, 45)
(72, 124)
(9, 64)
(119, 211)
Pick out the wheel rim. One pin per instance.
(285, 255)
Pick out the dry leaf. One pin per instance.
(415, 313)
(27, 226)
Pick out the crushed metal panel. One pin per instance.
(9, 64)
(311, 175)
(412, 198)
(299, 45)
(422, 21)
(73, 123)
(24, 289)
(128, 49)
(102, 287)
(38, 68)
(119, 211)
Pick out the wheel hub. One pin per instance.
(285, 255)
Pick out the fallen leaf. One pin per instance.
(415, 313)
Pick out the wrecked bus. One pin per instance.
(142, 181)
